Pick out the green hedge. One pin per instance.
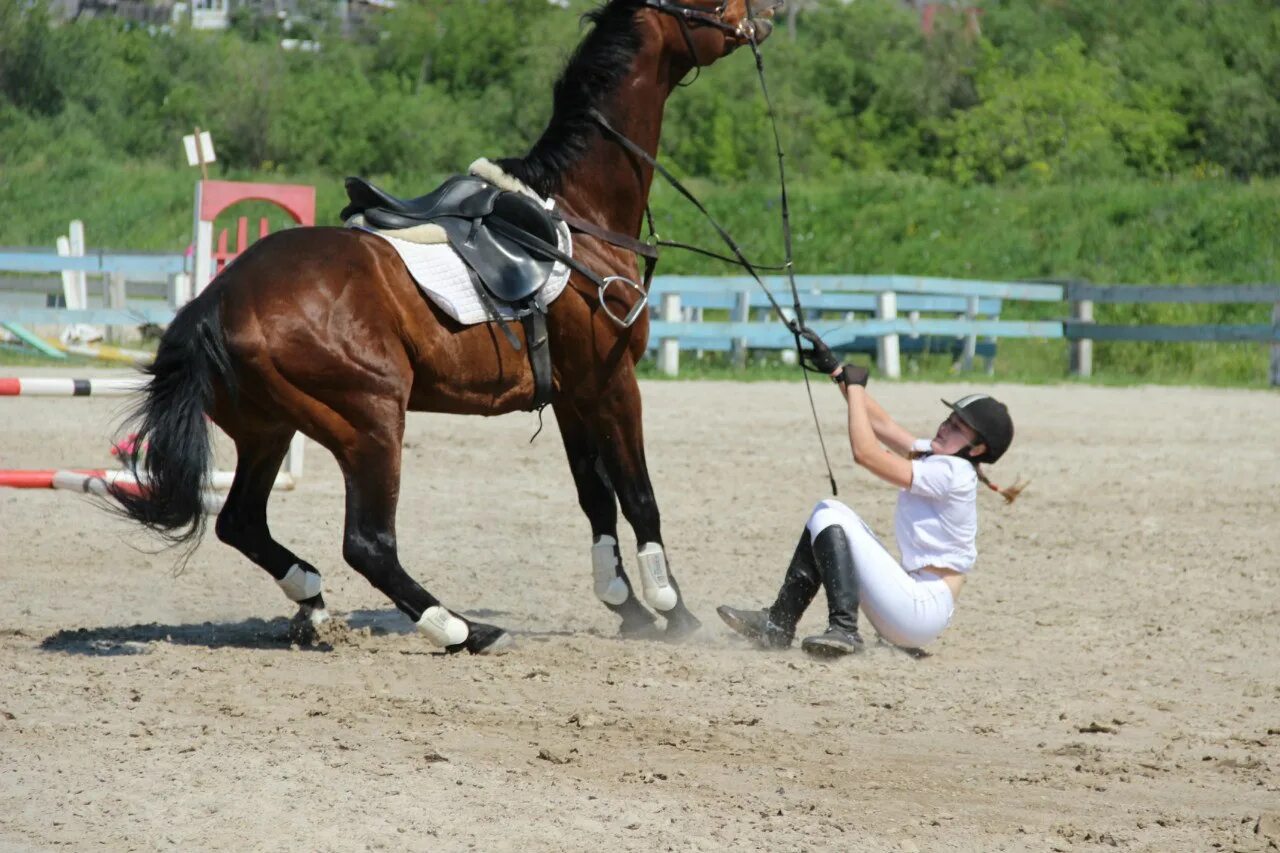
(1127, 232)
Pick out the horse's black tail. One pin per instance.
(171, 454)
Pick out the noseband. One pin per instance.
(687, 14)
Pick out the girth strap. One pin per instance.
(535, 335)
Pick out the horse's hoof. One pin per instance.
(486, 640)
(681, 624)
(304, 627)
(637, 622)
(639, 625)
(317, 616)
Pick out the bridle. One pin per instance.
(689, 16)
(696, 14)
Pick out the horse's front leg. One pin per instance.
(596, 497)
(620, 437)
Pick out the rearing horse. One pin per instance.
(323, 331)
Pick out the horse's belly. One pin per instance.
(453, 399)
(474, 371)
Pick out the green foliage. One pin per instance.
(1065, 116)
(1048, 92)
(1089, 138)
(27, 67)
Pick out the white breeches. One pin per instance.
(907, 609)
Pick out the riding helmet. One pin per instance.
(989, 418)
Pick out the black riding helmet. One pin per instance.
(989, 418)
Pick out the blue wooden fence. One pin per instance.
(136, 266)
(909, 313)
(884, 312)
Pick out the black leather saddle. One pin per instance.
(507, 240)
(487, 226)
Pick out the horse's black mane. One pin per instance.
(597, 66)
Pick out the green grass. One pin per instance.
(1144, 232)
(1025, 362)
(31, 358)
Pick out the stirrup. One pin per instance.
(634, 313)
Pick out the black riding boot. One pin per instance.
(835, 565)
(776, 627)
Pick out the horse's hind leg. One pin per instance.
(370, 462)
(242, 523)
(596, 497)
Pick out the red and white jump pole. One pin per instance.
(91, 481)
(58, 387)
(95, 480)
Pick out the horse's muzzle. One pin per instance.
(759, 23)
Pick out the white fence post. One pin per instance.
(75, 286)
(971, 340)
(202, 263)
(76, 233)
(669, 348)
(1275, 347)
(741, 314)
(179, 290)
(887, 353)
(115, 298)
(1082, 349)
(788, 356)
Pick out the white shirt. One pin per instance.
(936, 522)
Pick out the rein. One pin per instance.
(794, 325)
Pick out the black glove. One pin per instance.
(820, 357)
(852, 374)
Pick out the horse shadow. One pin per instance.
(252, 633)
(116, 640)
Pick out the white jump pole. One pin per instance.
(94, 484)
(293, 461)
(57, 387)
(107, 387)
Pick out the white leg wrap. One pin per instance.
(300, 584)
(609, 585)
(658, 591)
(442, 627)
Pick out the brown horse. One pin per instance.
(322, 330)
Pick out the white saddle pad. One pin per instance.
(442, 275)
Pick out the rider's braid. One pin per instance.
(1010, 494)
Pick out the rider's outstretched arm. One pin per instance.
(886, 464)
(890, 432)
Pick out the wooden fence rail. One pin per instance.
(903, 310)
(1082, 331)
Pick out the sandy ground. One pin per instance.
(1111, 679)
